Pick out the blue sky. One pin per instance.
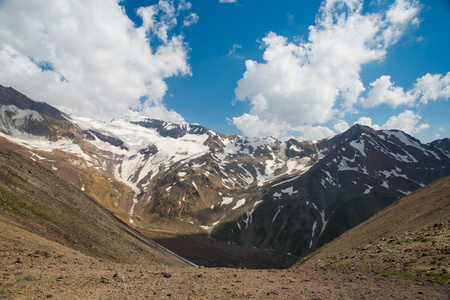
(303, 69)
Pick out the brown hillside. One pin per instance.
(42, 203)
(410, 238)
(57, 243)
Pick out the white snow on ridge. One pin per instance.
(19, 118)
(359, 146)
(344, 167)
(287, 180)
(136, 138)
(409, 142)
(393, 173)
(48, 146)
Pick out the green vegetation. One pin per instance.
(226, 232)
(57, 211)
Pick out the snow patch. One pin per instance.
(276, 214)
(368, 189)
(286, 181)
(359, 145)
(290, 191)
(239, 203)
(226, 200)
(193, 183)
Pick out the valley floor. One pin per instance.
(33, 268)
(38, 276)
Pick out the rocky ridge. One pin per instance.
(289, 196)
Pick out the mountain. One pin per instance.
(443, 145)
(36, 201)
(361, 172)
(408, 239)
(286, 197)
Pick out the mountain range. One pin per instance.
(283, 197)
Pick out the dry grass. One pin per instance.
(409, 239)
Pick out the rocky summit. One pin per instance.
(251, 199)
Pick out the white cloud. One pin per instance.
(190, 20)
(227, 1)
(311, 82)
(364, 121)
(99, 63)
(427, 88)
(315, 132)
(251, 125)
(341, 126)
(233, 50)
(432, 87)
(383, 91)
(406, 121)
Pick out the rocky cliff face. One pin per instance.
(361, 172)
(289, 196)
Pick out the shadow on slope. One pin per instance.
(45, 205)
(205, 251)
(408, 239)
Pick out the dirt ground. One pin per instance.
(36, 275)
(34, 268)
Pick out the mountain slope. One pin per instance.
(283, 196)
(54, 210)
(410, 238)
(361, 172)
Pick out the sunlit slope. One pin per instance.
(410, 238)
(44, 204)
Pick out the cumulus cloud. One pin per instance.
(341, 126)
(383, 91)
(251, 125)
(432, 87)
(89, 58)
(427, 88)
(364, 121)
(406, 121)
(312, 82)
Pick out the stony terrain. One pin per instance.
(372, 261)
(59, 241)
(289, 197)
(34, 268)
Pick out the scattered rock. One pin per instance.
(104, 280)
(29, 278)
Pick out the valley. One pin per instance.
(137, 208)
